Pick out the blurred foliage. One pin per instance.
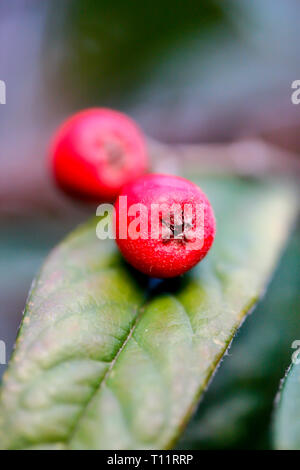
(187, 71)
(286, 423)
(237, 408)
(24, 243)
(94, 50)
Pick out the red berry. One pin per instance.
(186, 225)
(96, 152)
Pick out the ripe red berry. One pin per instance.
(173, 233)
(96, 152)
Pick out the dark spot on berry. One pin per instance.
(177, 231)
(115, 154)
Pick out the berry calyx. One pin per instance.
(95, 152)
(164, 225)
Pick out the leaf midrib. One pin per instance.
(104, 379)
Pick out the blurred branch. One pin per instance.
(245, 158)
(35, 192)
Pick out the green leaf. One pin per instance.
(286, 424)
(236, 411)
(106, 359)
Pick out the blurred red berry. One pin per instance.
(95, 152)
(186, 225)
